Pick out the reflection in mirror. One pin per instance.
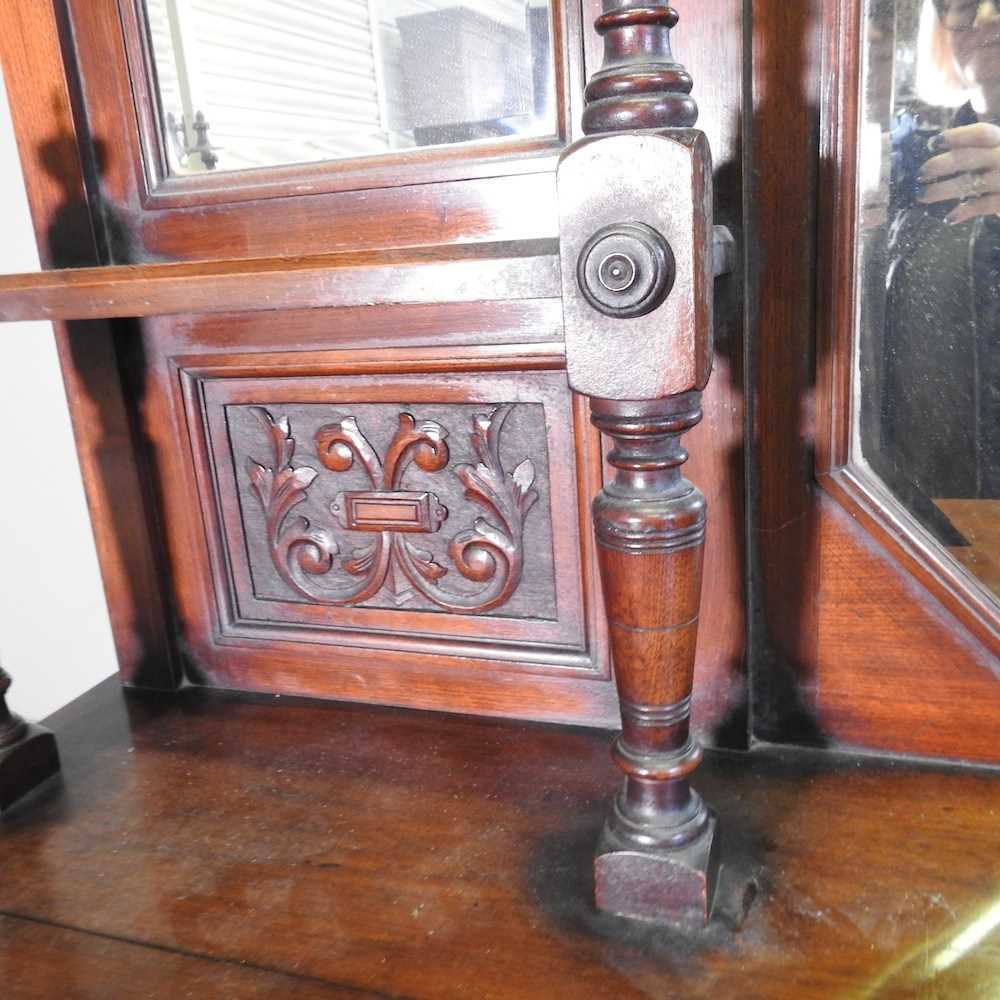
(259, 83)
(928, 364)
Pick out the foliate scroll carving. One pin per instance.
(327, 569)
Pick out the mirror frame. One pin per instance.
(852, 486)
(461, 161)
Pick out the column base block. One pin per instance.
(668, 886)
(26, 764)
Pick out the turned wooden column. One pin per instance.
(655, 858)
(637, 285)
(28, 754)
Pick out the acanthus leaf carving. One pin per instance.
(298, 550)
(488, 553)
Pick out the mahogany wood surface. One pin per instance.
(657, 856)
(419, 197)
(647, 285)
(468, 272)
(711, 42)
(853, 641)
(220, 845)
(551, 669)
(86, 168)
(40, 960)
(781, 187)
(793, 541)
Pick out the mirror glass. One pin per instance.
(263, 83)
(928, 362)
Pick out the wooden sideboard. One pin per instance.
(342, 424)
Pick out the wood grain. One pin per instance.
(895, 670)
(238, 635)
(40, 960)
(781, 188)
(462, 870)
(466, 273)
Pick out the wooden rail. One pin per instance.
(461, 273)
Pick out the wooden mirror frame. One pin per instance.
(847, 644)
(642, 159)
(852, 486)
(76, 47)
(852, 643)
(462, 161)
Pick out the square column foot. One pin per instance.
(668, 886)
(26, 764)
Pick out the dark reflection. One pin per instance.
(929, 360)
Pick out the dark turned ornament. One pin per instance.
(626, 270)
(28, 754)
(657, 855)
(639, 85)
(12, 727)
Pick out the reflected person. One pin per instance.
(941, 364)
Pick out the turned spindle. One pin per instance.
(639, 85)
(655, 855)
(637, 284)
(28, 754)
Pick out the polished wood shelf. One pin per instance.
(223, 845)
(470, 272)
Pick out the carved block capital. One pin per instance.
(663, 181)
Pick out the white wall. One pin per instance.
(55, 639)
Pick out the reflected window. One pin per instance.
(928, 364)
(260, 83)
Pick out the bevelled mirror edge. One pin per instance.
(470, 159)
(841, 467)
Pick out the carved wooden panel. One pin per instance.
(391, 512)
(438, 507)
